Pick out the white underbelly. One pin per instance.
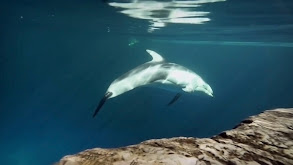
(180, 77)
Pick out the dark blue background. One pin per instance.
(58, 60)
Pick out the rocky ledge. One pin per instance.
(263, 139)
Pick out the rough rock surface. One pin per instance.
(263, 139)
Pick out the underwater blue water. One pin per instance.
(57, 59)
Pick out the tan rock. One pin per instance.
(263, 139)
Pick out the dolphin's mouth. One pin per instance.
(210, 93)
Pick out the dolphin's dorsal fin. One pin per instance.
(155, 55)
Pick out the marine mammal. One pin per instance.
(158, 70)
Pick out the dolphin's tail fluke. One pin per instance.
(102, 102)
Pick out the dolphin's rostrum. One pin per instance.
(156, 71)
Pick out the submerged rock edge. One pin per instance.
(266, 138)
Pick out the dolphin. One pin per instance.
(158, 70)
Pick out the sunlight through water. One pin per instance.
(160, 13)
(231, 43)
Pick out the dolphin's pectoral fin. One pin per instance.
(102, 102)
(175, 98)
(187, 89)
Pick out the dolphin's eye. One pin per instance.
(205, 87)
